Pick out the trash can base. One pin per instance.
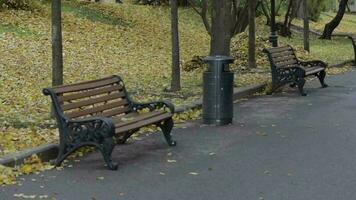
(217, 122)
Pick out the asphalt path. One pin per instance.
(280, 147)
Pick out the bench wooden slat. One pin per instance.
(285, 58)
(97, 109)
(92, 101)
(119, 122)
(93, 92)
(313, 70)
(279, 49)
(143, 123)
(282, 54)
(116, 111)
(125, 115)
(86, 85)
(286, 63)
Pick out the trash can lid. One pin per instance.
(219, 58)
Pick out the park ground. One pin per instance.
(123, 39)
(279, 147)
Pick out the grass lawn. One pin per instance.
(124, 39)
(347, 25)
(332, 51)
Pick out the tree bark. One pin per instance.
(252, 34)
(334, 23)
(306, 25)
(291, 13)
(221, 27)
(175, 84)
(227, 18)
(57, 48)
(266, 13)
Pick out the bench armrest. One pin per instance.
(153, 105)
(95, 127)
(313, 63)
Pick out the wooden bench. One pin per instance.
(100, 113)
(287, 68)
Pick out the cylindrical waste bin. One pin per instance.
(218, 91)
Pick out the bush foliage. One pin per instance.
(315, 8)
(20, 4)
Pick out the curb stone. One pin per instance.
(46, 152)
(239, 93)
(49, 152)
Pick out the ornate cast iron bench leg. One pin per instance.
(300, 83)
(106, 149)
(166, 128)
(321, 76)
(61, 155)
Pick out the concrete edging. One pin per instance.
(49, 152)
(46, 152)
(239, 93)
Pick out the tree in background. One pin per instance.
(252, 34)
(160, 2)
(332, 25)
(57, 49)
(223, 19)
(175, 82)
(315, 7)
(266, 10)
(293, 7)
(306, 25)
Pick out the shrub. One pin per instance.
(20, 4)
(315, 8)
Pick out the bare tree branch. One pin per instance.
(203, 13)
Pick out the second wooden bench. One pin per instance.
(287, 68)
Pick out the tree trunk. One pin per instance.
(175, 84)
(252, 34)
(301, 12)
(332, 25)
(183, 3)
(306, 25)
(291, 13)
(266, 13)
(284, 29)
(57, 49)
(221, 27)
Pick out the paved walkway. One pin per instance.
(280, 147)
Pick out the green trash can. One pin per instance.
(218, 86)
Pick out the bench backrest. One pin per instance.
(280, 57)
(104, 97)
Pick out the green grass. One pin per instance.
(347, 25)
(332, 51)
(10, 28)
